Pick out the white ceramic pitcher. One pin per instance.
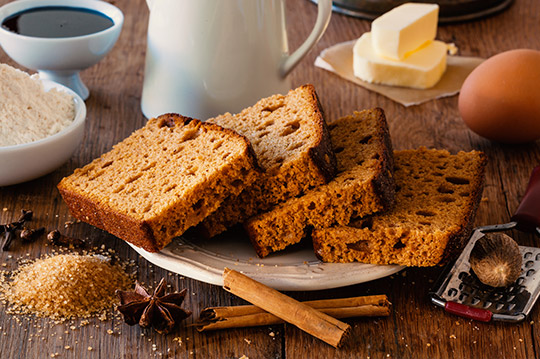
(207, 57)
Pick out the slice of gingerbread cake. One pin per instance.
(436, 201)
(161, 180)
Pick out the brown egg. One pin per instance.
(500, 99)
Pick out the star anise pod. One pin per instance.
(159, 310)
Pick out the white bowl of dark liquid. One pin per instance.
(59, 38)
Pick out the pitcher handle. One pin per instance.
(323, 18)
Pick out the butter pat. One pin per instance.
(421, 69)
(404, 29)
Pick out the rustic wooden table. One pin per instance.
(415, 329)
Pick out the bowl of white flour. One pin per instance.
(41, 125)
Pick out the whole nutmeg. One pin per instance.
(496, 260)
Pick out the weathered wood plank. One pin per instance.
(416, 328)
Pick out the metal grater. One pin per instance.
(460, 292)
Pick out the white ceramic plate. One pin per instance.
(295, 269)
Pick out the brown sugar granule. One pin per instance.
(65, 286)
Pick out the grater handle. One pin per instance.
(482, 315)
(527, 214)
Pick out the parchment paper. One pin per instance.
(339, 60)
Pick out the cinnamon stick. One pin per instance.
(214, 318)
(310, 320)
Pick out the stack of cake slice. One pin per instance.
(364, 185)
(355, 217)
(176, 172)
(282, 172)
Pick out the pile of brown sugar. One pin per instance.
(65, 286)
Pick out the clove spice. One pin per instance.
(10, 228)
(29, 235)
(9, 234)
(59, 239)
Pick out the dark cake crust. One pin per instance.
(322, 154)
(458, 240)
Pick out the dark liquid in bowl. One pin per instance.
(57, 21)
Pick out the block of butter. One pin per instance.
(404, 29)
(421, 69)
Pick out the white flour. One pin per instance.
(27, 112)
